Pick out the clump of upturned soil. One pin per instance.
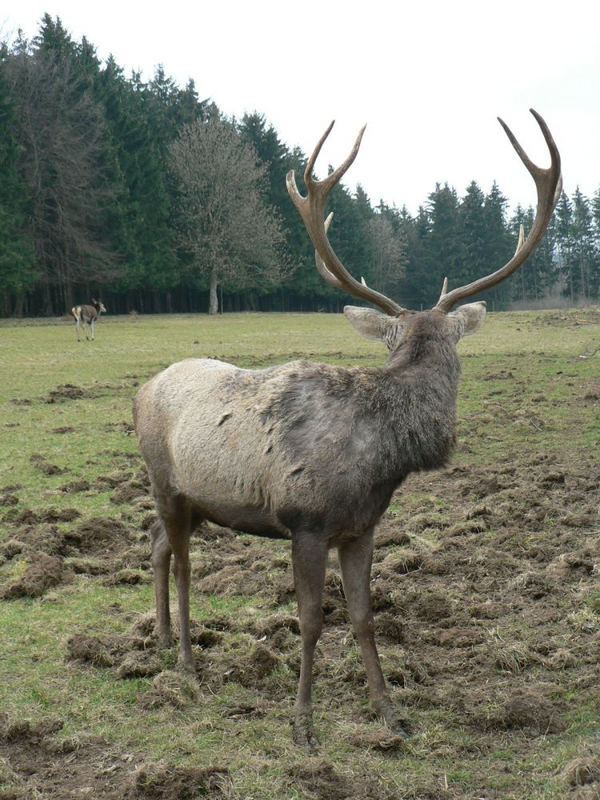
(101, 651)
(139, 665)
(63, 429)
(249, 668)
(29, 517)
(583, 770)
(157, 782)
(74, 487)
(172, 688)
(98, 533)
(14, 731)
(66, 391)
(529, 708)
(389, 626)
(40, 575)
(380, 740)
(130, 491)
(41, 463)
(321, 781)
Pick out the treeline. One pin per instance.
(144, 194)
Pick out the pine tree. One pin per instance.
(585, 267)
(565, 245)
(17, 268)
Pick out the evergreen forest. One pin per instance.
(143, 194)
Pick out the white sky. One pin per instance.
(429, 78)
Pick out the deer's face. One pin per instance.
(393, 331)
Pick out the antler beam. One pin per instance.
(549, 186)
(312, 209)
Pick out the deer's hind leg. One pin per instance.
(176, 517)
(309, 556)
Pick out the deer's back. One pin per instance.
(278, 449)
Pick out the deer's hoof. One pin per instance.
(393, 719)
(304, 734)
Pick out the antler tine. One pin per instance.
(310, 164)
(549, 186)
(311, 209)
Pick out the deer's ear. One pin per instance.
(468, 318)
(368, 322)
(375, 325)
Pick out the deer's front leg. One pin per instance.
(355, 561)
(309, 556)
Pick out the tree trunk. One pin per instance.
(213, 304)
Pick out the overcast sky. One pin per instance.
(428, 78)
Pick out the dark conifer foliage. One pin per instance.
(91, 204)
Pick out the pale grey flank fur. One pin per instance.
(303, 451)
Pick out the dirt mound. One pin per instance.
(74, 487)
(321, 781)
(98, 534)
(67, 391)
(380, 740)
(24, 730)
(583, 770)
(133, 489)
(40, 575)
(527, 708)
(41, 463)
(105, 651)
(251, 668)
(29, 517)
(157, 782)
(171, 688)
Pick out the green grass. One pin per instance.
(552, 363)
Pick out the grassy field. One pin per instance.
(485, 584)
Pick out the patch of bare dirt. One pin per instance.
(45, 765)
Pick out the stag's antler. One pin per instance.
(549, 186)
(312, 209)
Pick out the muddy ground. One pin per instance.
(498, 630)
(485, 586)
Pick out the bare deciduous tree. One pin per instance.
(61, 134)
(389, 254)
(232, 236)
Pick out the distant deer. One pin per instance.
(88, 316)
(312, 452)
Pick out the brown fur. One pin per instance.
(87, 315)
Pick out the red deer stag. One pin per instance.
(312, 452)
(87, 315)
